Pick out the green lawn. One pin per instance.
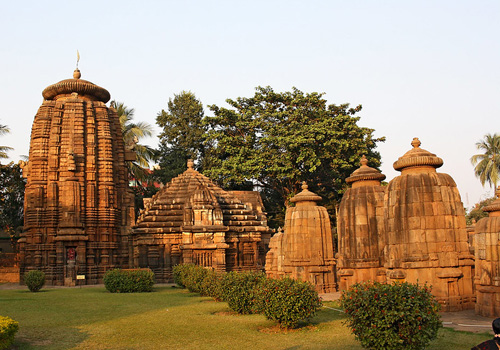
(168, 318)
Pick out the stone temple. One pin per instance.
(487, 251)
(191, 220)
(78, 208)
(426, 234)
(304, 250)
(361, 228)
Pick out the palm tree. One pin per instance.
(3, 149)
(132, 132)
(487, 164)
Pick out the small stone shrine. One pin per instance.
(305, 249)
(487, 252)
(191, 220)
(78, 209)
(426, 230)
(361, 231)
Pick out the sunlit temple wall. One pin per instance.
(78, 208)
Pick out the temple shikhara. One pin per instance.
(361, 228)
(78, 208)
(487, 252)
(79, 217)
(305, 249)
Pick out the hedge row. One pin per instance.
(285, 300)
(8, 329)
(129, 281)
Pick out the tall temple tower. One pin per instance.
(361, 230)
(426, 231)
(78, 208)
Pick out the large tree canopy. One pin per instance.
(487, 164)
(182, 137)
(12, 186)
(277, 140)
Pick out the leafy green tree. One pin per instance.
(182, 137)
(132, 133)
(277, 140)
(3, 149)
(477, 213)
(12, 186)
(487, 164)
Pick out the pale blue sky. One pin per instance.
(427, 69)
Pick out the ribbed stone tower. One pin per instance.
(307, 243)
(78, 209)
(487, 251)
(426, 230)
(361, 231)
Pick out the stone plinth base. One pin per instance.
(9, 274)
(452, 286)
(488, 301)
(349, 276)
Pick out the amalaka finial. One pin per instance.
(304, 185)
(416, 142)
(364, 161)
(190, 164)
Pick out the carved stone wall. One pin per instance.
(487, 252)
(77, 202)
(361, 230)
(305, 250)
(426, 230)
(191, 220)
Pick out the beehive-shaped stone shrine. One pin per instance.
(426, 230)
(191, 220)
(307, 244)
(275, 257)
(487, 252)
(78, 209)
(361, 231)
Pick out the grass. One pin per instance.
(169, 318)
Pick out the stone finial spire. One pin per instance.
(363, 161)
(417, 157)
(365, 173)
(190, 164)
(416, 142)
(77, 74)
(305, 195)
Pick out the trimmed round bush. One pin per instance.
(8, 329)
(34, 280)
(391, 316)
(129, 281)
(241, 290)
(287, 301)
